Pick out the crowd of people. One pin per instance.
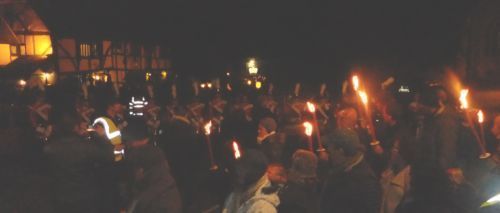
(405, 156)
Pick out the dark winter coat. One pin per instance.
(354, 191)
(297, 197)
(74, 162)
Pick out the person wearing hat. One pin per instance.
(268, 141)
(154, 188)
(253, 191)
(301, 193)
(352, 185)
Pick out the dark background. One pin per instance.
(289, 38)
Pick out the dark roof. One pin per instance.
(24, 66)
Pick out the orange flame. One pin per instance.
(311, 107)
(463, 99)
(208, 128)
(480, 116)
(355, 82)
(308, 128)
(363, 96)
(236, 149)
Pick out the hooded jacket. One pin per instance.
(259, 201)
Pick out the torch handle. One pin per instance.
(213, 166)
(318, 133)
(474, 132)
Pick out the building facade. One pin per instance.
(23, 34)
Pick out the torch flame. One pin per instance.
(208, 128)
(236, 149)
(355, 82)
(364, 97)
(311, 107)
(463, 99)
(480, 116)
(308, 127)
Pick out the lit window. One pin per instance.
(22, 49)
(89, 50)
(13, 50)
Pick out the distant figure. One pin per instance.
(253, 192)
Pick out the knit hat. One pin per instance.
(304, 164)
(269, 124)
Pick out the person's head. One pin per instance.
(304, 166)
(250, 168)
(136, 132)
(66, 121)
(277, 174)
(114, 108)
(347, 118)
(343, 147)
(266, 126)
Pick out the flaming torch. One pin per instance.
(236, 150)
(312, 109)
(371, 128)
(308, 131)
(464, 105)
(355, 82)
(208, 131)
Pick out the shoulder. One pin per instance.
(262, 206)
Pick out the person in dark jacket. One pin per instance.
(352, 185)
(301, 194)
(155, 190)
(74, 162)
(440, 131)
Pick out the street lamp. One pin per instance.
(252, 67)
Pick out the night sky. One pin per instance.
(288, 37)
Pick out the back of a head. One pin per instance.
(253, 165)
(269, 124)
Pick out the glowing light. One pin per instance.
(355, 82)
(203, 85)
(164, 75)
(228, 74)
(363, 97)
(252, 67)
(209, 85)
(208, 128)
(249, 82)
(148, 76)
(308, 128)
(22, 83)
(311, 107)
(464, 104)
(492, 201)
(258, 84)
(404, 89)
(236, 149)
(480, 116)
